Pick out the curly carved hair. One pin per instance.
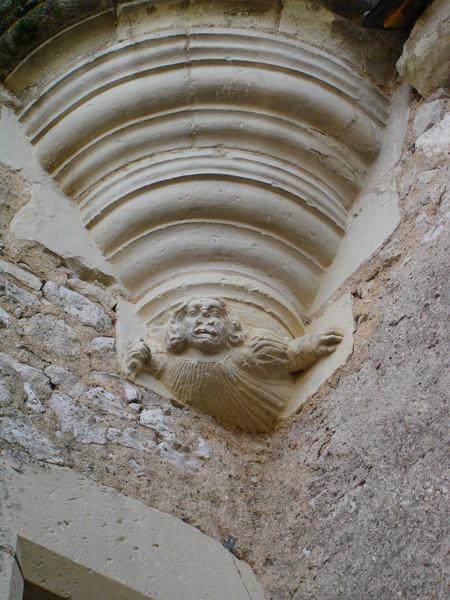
(176, 339)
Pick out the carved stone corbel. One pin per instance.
(244, 379)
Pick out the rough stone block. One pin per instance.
(18, 429)
(54, 335)
(24, 302)
(77, 420)
(78, 306)
(429, 115)
(21, 275)
(425, 61)
(101, 346)
(155, 419)
(5, 319)
(436, 140)
(35, 384)
(132, 438)
(107, 402)
(93, 292)
(66, 381)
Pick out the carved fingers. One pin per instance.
(137, 356)
(326, 342)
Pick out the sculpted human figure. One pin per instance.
(210, 364)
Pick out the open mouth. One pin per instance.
(204, 332)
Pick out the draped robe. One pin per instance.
(248, 387)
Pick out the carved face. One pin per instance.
(205, 325)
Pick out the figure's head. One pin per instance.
(204, 324)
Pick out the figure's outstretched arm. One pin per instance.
(305, 351)
(138, 358)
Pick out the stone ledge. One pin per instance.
(97, 537)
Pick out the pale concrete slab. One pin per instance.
(75, 535)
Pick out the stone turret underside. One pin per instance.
(206, 160)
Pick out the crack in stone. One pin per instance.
(243, 582)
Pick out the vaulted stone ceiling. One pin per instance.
(209, 160)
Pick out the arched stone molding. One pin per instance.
(246, 147)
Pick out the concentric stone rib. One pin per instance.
(164, 167)
(239, 226)
(263, 294)
(133, 104)
(167, 50)
(323, 158)
(247, 202)
(153, 258)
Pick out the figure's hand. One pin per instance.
(326, 342)
(137, 356)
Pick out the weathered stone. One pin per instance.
(35, 384)
(105, 378)
(17, 428)
(53, 335)
(429, 115)
(101, 346)
(21, 275)
(77, 420)
(425, 61)
(66, 381)
(203, 451)
(5, 395)
(78, 306)
(107, 402)
(93, 292)
(11, 578)
(93, 537)
(4, 319)
(181, 461)
(132, 438)
(24, 302)
(132, 393)
(155, 419)
(136, 468)
(436, 140)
